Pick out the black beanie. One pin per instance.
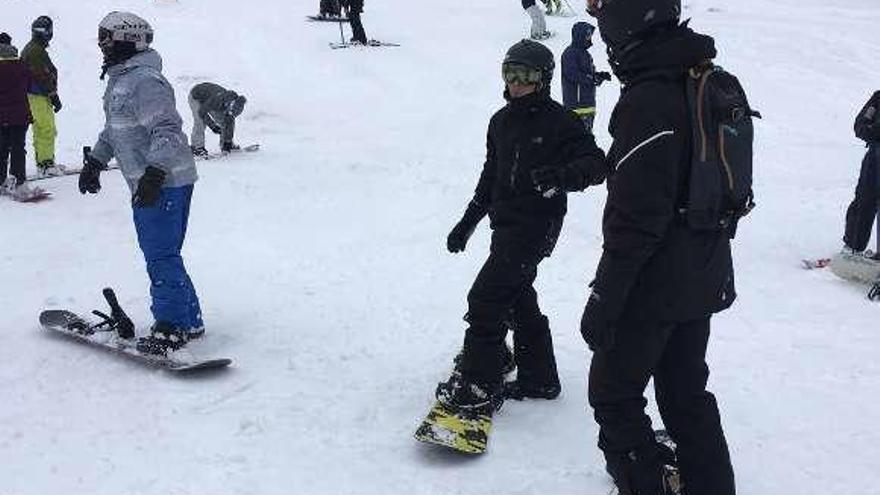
(5, 39)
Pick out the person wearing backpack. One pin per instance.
(862, 211)
(659, 281)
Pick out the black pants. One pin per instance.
(357, 29)
(675, 355)
(502, 298)
(330, 7)
(862, 212)
(12, 147)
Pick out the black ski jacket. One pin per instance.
(527, 134)
(867, 124)
(653, 266)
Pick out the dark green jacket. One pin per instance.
(45, 75)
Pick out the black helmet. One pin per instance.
(622, 22)
(534, 55)
(41, 28)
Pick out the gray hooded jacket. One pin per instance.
(142, 125)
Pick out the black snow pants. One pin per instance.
(674, 354)
(357, 28)
(330, 7)
(12, 151)
(502, 298)
(862, 212)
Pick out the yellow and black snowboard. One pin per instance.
(466, 433)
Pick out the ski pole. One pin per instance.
(341, 33)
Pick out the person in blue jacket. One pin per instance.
(579, 76)
(143, 131)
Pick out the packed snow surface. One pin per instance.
(322, 270)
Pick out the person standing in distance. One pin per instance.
(658, 282)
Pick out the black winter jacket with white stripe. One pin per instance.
(653, 266)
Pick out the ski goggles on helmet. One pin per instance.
(520, 74)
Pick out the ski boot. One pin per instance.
(48, 168)
(229, 147)
(165, 337)
(199, 151)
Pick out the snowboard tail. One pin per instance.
(465, 433)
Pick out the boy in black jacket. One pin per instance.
(536, 152)
(658, 282)
(862, 212)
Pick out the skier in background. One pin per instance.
(862, 212)
(216, 107)
(536, 153)
(15, 117)
(143, 131)
(354, 9)
(579, 76)
(539, 24)
(659, 281)
(43, 95)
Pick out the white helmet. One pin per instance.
(125, 28)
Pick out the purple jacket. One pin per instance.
(15, 80)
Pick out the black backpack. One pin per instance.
(720, 186)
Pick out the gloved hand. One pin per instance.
(550, 179)
(602, 77)
(596, 330)
(458, 237)
(149, 187)
(56, 102)
(90, 176)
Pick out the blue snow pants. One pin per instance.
(161, 230)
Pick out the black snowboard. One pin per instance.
(72, 325)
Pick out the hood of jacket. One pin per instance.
(580, 33)
(671, 53)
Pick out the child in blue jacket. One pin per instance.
(579, 76)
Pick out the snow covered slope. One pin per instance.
(321, 266)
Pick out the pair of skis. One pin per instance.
(346, 44)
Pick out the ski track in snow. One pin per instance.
(321, 266)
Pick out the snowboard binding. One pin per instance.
(117, 321)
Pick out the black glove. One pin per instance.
(56, 102)
(149, 188)
(596, 330)
(90, 176)
(602, 77)
(458, 237)
(552, 179)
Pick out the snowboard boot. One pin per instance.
(520, 389)
(48, 168)
(646, 470)
(199, 151)
(469, 397)
(229, 146)
(164, 338)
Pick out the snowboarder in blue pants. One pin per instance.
(143, 131)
